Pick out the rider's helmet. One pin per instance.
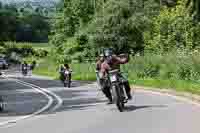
(108, 52)
(66, 65)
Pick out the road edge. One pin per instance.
(183, 96)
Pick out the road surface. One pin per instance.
(41, 105)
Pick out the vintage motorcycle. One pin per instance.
(118, 89)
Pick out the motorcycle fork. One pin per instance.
(124, 91)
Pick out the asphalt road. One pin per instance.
(82, 109)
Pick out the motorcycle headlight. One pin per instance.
(66, 72)
(113, 78)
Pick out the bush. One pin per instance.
(40, 53)
(2, 50)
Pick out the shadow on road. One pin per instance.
(134, 108)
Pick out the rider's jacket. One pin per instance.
(113, 62)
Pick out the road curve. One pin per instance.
(50, 103)
(84, 111)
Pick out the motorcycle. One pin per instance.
(118, 90)
(1, 104)
(67, 78)
(24, 70)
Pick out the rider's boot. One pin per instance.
(128, 90)
(110, 101)
(129, 96)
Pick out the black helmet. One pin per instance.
(108, 52)
(66, 65)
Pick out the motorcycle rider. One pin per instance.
(24, 67)
(62, 70)
(111, 62)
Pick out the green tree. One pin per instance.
(8, 24)
(121, 25)
(173, 29)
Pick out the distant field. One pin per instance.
(41, 46)
(45, 46)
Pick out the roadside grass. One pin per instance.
(83, 71)
(45, 46)
(46, 68)
(177, 85)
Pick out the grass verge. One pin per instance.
(177, 85)
(81, 71)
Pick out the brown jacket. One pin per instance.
(113, 63)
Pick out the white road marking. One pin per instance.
(60, 101)
(50, 102)
(42, 91)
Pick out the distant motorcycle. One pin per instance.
(25, 70)
(118, 90)
(67, 78)
(1, 104)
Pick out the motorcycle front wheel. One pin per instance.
(118, 98)
(67, 83)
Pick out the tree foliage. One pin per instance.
(194, 7)
(125, 25)
(20, 25)
(110, 23)
(173, 29)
